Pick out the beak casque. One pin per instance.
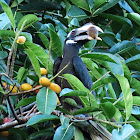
(90, 30)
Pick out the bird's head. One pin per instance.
(83, 34)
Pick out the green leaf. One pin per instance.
(119, 19)
(102, 82)
(109, 38)
(122, 47)
(135, 84)
(134, 6)
(108, 5)
(3, 108)
(41, 133)
(40, 54)
(9, 13)
(64, 122)
(82, 4)
(20, 74)
(46, 101)
(25, 102)
(44, 39)
(30, 19)
(75, 12)
(6, 34)
(1, 90)
(133, 62)
(136, 100)
(134, 17)
(108, 109)
(127, 73)
(66, 134)
(127, 94)
(92, 67)
(136, 123)
(3, 54)
(76, 84)
(34, 61)
(70, 101)
(78, 135)
(41, 118)
(74, 93)
(86, 110)
(97, 56)
(124, 134)
(55, 43)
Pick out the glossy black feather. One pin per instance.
(82, 72)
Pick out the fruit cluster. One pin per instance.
(5, 133)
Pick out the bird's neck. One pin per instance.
(70, 51)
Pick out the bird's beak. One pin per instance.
(88, 32)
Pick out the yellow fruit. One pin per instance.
(43, 71)
(25, 87)
(21, 39)
(4, 84)
(14, 89)
(56, 88)
(54, 126)
(4, 133)
(58, 101)
(45, 82)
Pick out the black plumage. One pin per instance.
(75, 40)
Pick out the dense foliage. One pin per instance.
(113, 63)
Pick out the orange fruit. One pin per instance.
(37, 90)
(4, 133)
(45, 82)
(43, 71)
(14, 89)
(21, 39)
(7, 119)
(55, 87)
(25, 87)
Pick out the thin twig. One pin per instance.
(13, 111)
(25, 92)
(100, 79)
(12, 48)
(14, 123)
(117, 100)
(59, 72)
(31, 110)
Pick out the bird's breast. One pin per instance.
(69, 70)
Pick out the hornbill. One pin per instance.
(74, 41)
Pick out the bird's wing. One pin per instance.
(56, 65)
(82, 72)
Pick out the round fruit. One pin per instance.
(4, 133)
(43, 71)
(7, 119)
(45, 82)
(58, 101)
(56, 88)
(25, 87)
(21, 39)
(4, 84)
(37, 90)
(14, 89)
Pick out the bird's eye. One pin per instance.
(73, 32)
